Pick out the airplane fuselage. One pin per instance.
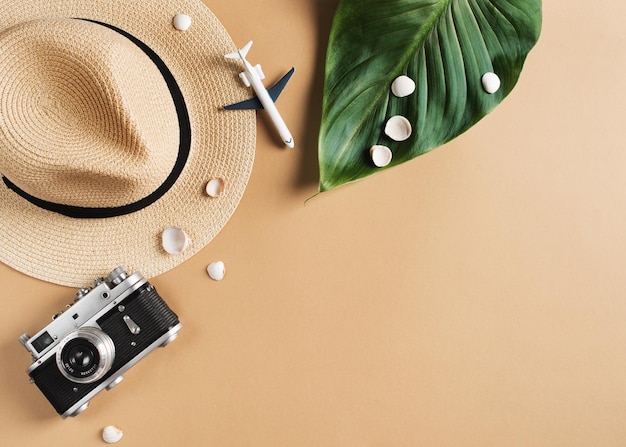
(267, 102)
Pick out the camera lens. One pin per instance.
(82, 358)
(85, 355)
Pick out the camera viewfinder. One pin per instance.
(42, 342)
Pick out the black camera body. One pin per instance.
(107, 330)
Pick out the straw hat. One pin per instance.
(111, 125)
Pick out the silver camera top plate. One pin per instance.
(91, 304)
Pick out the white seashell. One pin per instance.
(215, 187)
(216, 270)
(182, 22)
(381, 155)
(491, 82)
(398, 128)
(402, 86)
(175, 240)
(112, 434)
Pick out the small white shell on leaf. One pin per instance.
(402, 86)
(398, 128)
(215, 187)
(491, 82)
(175, 240)
(182, 22)
(112, 434)
(216, 270)
(381, 155)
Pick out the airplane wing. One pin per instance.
(274, 91)
(237, 54)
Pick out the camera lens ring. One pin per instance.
(85, 355)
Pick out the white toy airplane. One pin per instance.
(265, 98)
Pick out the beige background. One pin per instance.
(472, 297)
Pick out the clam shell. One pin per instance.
(491, 82)
(402, 86)
(215, 187)
(112, 434)
(216, 270)
(381, 155)
(175, 240)
(398, 128)
(182, 22)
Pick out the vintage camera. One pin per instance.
(87, 348)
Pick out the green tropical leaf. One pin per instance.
(445, 46)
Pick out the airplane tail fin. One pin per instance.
(243, 52)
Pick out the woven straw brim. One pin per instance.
(72, 251)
